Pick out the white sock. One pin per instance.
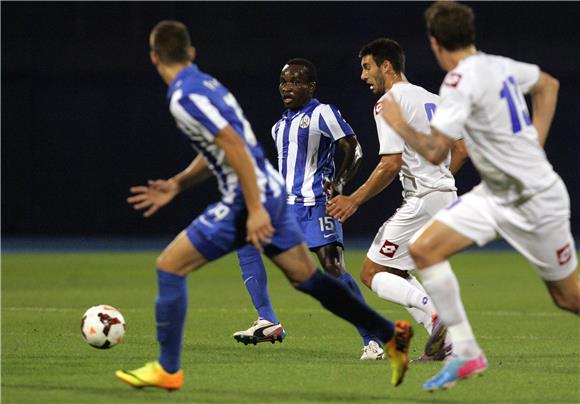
(421, 317)
(396, 289)
(441, 283)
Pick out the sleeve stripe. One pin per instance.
(333, 121)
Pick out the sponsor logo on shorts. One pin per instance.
(389, 249)
(564, 254)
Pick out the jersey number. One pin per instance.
(430, 110)
(326, 223)
(515, 102)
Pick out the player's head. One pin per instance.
(382, 63)
(170, 45)
(450, 27)
(297, 83)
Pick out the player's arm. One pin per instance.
(342, 207)
(458, 156)
(433, 148)
(158, 193)
(352, 158)
(196, 173)
(259, 227)
(544, 96)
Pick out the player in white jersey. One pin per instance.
(520, 197)
(427, 188)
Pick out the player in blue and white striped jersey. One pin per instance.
(252, 209)
(305, 139)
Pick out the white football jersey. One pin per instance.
(417, 175)
(482, 99)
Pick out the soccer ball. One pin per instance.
(103, 326)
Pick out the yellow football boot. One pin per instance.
(398, 351)
(151, 375)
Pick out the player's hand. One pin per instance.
(392, 113)
(259, 228)
(342, 207)
(152, 197)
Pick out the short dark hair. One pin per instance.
(382, 49)
(170, 40)
(451, 24)
(310, 68)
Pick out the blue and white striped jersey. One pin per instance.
(202, 106)
(305, 143)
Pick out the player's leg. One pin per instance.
(399, 287)
(178, 259)
(566, 292)
(386, 268)
(331, 258)
(207, 238)
(338, 299)
(291, 255)
(267, 328)
(467, 220)
(540, 230)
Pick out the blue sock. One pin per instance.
(338, 299)
(170, 311)
(347, 279)
(256, 282)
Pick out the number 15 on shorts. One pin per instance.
(326, 223)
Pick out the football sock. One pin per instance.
(441, 283)
(396, 289)
(170, 311)
(338, 299)
(256, 282)
(421, 317)
(348, 280)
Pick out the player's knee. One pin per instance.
(167, 263)
(419, 251)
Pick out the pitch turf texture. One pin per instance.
(532, 347)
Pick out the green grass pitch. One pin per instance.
(532, 347)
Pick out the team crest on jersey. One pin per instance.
(452, 79)
(304, 122)
(378, 107)
(389, 249)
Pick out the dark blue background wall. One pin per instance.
(84, 115)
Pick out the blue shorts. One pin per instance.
(318, 226)
(221, 228)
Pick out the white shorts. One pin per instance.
(390, 247)
(539, 229)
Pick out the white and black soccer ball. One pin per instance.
(103, 326)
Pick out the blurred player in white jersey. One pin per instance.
(520, 198)
(426, 189)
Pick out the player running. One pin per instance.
(426, 189)
(520, 198)
(252, 209)
(305, 139)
